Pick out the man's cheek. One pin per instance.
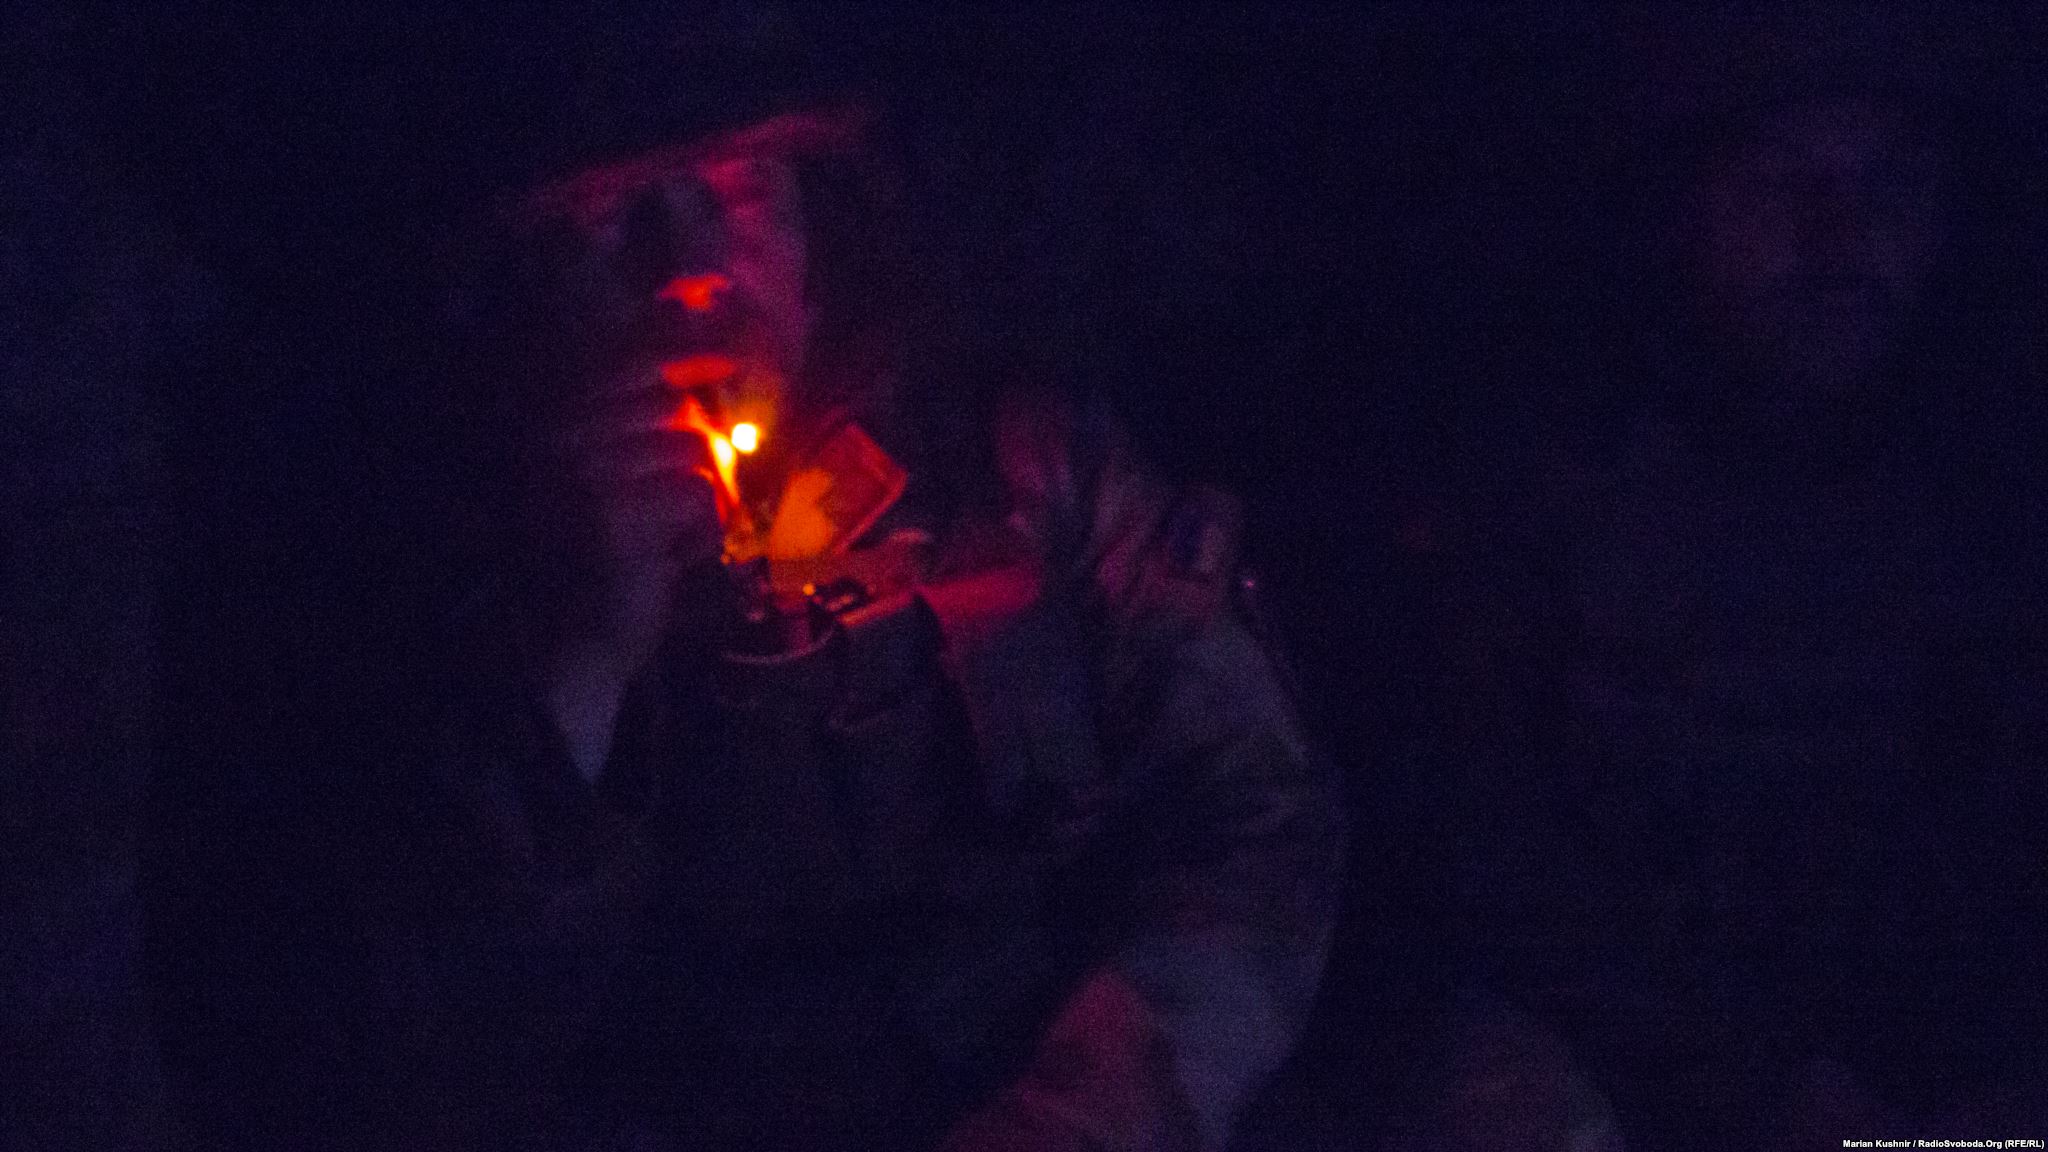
(600, 314)
(775, 272)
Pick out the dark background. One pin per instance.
(1302, 246)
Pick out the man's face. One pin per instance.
(696, 272)
(678, 275)
(1819, 232)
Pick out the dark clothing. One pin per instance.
(1729, 722)
(1038, 843)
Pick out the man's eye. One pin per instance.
(646, 254)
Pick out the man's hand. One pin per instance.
(640, 511)
(643, 484)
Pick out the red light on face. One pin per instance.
(696, 293)
(698, 371)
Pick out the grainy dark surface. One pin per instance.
(1384, 271)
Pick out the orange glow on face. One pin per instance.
(696, 293)
(745, 438)
(698, 371)
(723, 452)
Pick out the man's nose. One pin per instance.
(699, 330)
(699, 310)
